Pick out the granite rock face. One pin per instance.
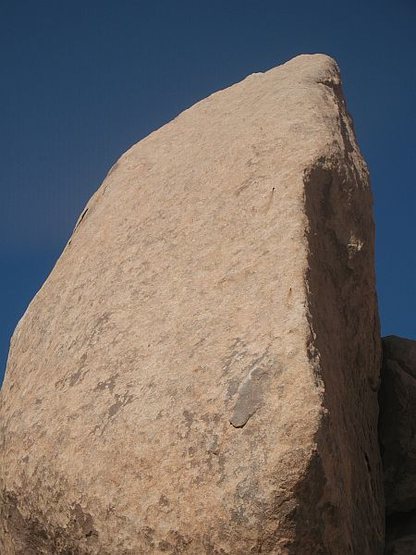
(398, 442)
(199, 372)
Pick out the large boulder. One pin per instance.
(398, 442)
(199, 372)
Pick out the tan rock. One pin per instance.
(199, 372)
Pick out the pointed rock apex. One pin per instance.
(199, 372)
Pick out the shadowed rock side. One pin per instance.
(199, 372)
(398, 443)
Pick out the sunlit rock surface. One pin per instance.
(199, 372)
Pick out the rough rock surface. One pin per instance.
(398, 442)
(199, 372)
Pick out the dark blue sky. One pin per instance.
(83, 80)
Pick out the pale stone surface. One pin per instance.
(199, 373)
(398, 442)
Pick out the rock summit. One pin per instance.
(199, 373)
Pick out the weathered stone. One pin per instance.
(199, 372)
(398, 442)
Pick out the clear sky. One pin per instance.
(84, 80)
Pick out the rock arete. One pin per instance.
(199, 372)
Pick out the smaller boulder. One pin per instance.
(397, 428)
